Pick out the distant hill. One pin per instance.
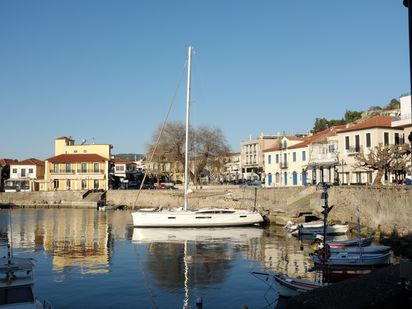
(129, 156)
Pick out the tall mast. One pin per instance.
(187, 125)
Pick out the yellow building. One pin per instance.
(77, 167)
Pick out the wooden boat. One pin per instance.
(313, 229)
(351, 242)
(360, 249)
(346, 259)
(288, 286)
(17, 284)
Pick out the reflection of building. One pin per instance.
(78, 166)
(25, 175)
(74, 238)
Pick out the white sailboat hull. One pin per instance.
(196, 218)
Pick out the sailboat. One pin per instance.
(185, 217)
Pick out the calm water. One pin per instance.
(95, 258)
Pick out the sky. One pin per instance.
(107, 70)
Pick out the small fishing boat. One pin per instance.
(351, 242)
(316, 228)
(288, 286)
(360, 249)
(346, 259)
(17, 284)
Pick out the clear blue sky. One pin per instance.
(106, 69)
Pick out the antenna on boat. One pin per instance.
(189, 65)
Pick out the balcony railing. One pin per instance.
(352, 150)
(283, 165)
(80, 171)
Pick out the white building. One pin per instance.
(252, 155)
(362, 138)
(25, 175)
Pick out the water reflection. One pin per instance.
(78, 248)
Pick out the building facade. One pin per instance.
(25, 176)
(363, 137)
(77, 166)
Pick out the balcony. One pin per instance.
(353, 150)
(283, 165)
(401, 121)
(80, 171)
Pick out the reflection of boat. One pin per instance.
(185, 217)
(180, 235)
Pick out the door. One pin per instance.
(270, 179)
(285, 176)
(295, 178)
(304, 178)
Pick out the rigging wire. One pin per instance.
(171, 100)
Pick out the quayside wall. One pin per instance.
(381, 208)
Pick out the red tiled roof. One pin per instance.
(31, 161)
(375, 122)
(120, 160)
(310, 139)
(4, 162)
(76, 158)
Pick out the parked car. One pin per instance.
(252, 184)
(148, 186)
(161, 186)
(407, 181)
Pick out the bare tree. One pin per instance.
(206, 145)
(384, 159)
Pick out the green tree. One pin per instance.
(320, 125)
(393, 104)
(352, 116)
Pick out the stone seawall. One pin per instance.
(384, 208)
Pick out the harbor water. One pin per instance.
(97, 259)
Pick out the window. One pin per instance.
(397, 139)
(368, 140)
(277, 158)
(96, 184)
(68, 167)
(285, 144)
(294, 156)
(83, 167)
(386, 138)
(14, 170)
(30, 171)
(347, 145)
(303, 155)
(84, 184)
(96, 167)
(270, 159)
(120, 168)
(56, 168)
(23, 172)
(56, 184)
(277, 177)
(285, 157)
(68, 184)
(357, 143)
